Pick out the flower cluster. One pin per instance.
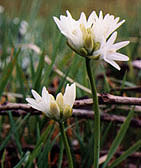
(59, 109)
(93, 37)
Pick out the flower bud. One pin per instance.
(55, 111)
(67, 112)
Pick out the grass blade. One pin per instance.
(32, 67)
(105, 134)
(38, 147)
(38, 74)
(119, 137)
(16, 135)
(61, 153)
(7, 72)
(17, 126)
(21, 78)
(22, 160)
(128, 152)
(3, 159)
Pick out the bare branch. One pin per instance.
(103, 99)
(104, 117)
(23, 109)
(109, 99)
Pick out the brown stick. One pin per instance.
(109, 99)
(103, 99)
(104, 117)
(23, 109)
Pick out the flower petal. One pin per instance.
(100, 15)
(44, 93)
(118, 57)
(82, 19)
(33, 103)
(60, 101)
(112, 39)
(54, 110)
(68, 14)
(119, 45)
(92, 18)
(36, 95)
(70, 94)
(113, 63)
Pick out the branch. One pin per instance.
(109, 99)
(103, 99)
(23, 109)
(104, 117)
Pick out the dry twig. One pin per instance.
(23, 109)
(109, 99)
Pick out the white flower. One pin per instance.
(58, 109)
(93, 37)
(108, 52)
(23, 27)
(104, 27)
(1, 9)
(16, 20)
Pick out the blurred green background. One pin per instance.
(43, 32)
(29, 24)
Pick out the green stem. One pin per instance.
(96, 116)
(65, 140)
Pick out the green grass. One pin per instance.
(34, 139)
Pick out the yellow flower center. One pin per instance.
(88, 38)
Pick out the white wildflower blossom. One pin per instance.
(23, 27)
(59, 109)
(93, 37)
(1, 9)
(108, 52)
(16, 20)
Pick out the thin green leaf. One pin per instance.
(49, 68)
(16, 135)
(22, 160)
(106, 86)
(38, 146)
(35, 6)
(62, 81)
(127, 153)
(32, 66)
(119, 137)
(61, 153)
(17, 126)
(38, 74)
(21, 78)
(124, 80)
(44, 135)
(34, 154)
(38, 132)
(105, 134)
(7, 72)
(47, 147)
(3, 159)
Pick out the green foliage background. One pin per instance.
(21, 69)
